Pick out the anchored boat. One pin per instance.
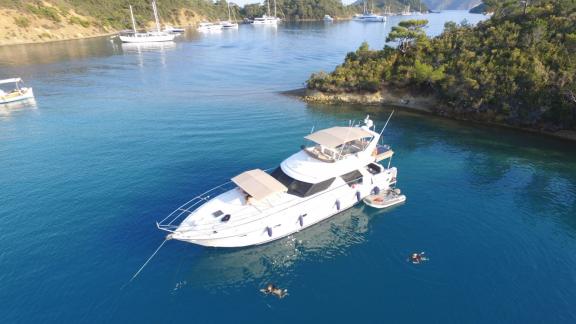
(133, 36)
(18, 93)
(339, 168)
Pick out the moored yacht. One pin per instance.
(335, 172)
(229, 24)
(369, 16)
(267, 19)
(208, 26)
(134, 36)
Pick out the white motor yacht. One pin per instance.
(337, 171)
(369, 16)
(327, 18)
(134, 36)
(17, 93)
(267, 19)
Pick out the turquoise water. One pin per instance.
(122, 135)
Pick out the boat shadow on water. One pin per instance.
(225, 268)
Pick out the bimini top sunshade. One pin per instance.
(258, 184)
(336, 136)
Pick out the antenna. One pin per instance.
(383, 128)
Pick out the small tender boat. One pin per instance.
(19, 92)
(385, 199)
(208, 26)
(327, 18)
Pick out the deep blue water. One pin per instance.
(122, 135)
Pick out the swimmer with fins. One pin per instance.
(271, 289)
(417, 258)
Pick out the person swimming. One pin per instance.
(417, 258)
(271, 289)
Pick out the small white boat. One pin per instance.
(267, 19)
(208, 26)
(173, 30)
(17, 93)
(385, 199)
(229, 24)
(327, 18)
(134, 36)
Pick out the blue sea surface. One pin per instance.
(121, 135)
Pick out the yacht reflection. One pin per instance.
(225, 268)
(8, 108)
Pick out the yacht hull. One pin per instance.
(27, 94)
(147, 39)
(302, 214)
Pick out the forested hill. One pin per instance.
(452, 4)
(517, 68)
(300, 9)
(395, 5)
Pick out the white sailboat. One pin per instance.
(267, 19)
(369, 16)
(17, 93)
(229, 24)
(336, 172)
(406, 11)
(134, 36)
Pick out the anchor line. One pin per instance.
(147, 261)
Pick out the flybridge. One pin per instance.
(337, 143)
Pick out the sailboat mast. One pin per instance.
(229, 16)
(133, 21)
(156, 15)
(268, 3)
(274, 8)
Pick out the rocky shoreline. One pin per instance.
(424, 104)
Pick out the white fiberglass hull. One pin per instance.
(268, 224)
(27, 94)
(147, 38)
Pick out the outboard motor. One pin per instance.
(269, 231)
(338, 204)
(358, 195)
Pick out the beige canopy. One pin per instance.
(336, 136)
(258, 184)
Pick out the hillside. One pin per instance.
(36, 21)
(292, 10)
(452, 4)
(517, 68)
(395, 5)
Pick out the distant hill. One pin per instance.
(452, 4)
(395, 5)
(479, 9)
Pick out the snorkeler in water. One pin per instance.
(417, 258)
(271, 289)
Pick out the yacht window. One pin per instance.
(374, 168)
(300, 188)
(218, 213)
(353, 177)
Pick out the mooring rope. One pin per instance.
(145, 263)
